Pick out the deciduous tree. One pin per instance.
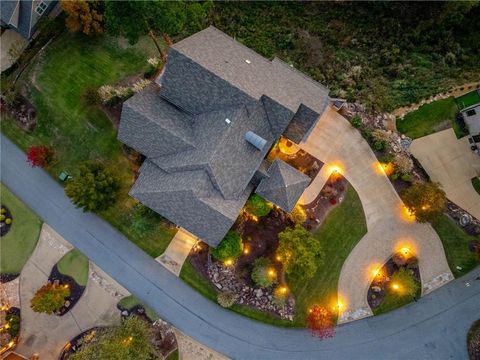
(320, 322)
(50, 298)
(424, 200)
(300, 252)
(40, 156)
(95, 189)
(84, 16)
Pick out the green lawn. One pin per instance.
(131, 301)
(428, 118)
(56, 82)
(476, 184)
(75, 265)
(468, 99)
(339, 234)
(393, 301)
(455, 242)
(18, 244)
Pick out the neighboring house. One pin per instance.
(23, 15)
(471, 116)
(206, 127)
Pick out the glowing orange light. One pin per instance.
(279, 258)
(384, 168)
(395, 286)
(405, 250)
(228, 262)
(406, 214)
(246, 250)
(10, 344)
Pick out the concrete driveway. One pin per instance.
(450, 162)
(340, 146)
(10, 39)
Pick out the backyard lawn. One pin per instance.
(429, 118)
(17, 245)
(468, 99)
(75, 265)
(455, 242)
(56, 83)
(340, 232)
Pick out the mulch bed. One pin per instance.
(4, 278)
(375, 298)
(23, 112)
(330, 196)
(4, 227)
(301, 161)
(76, 290)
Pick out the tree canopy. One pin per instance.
(425, 200)
(84, 16)
(95, 189)
(49, 298)
(300, 252)
(258, 206)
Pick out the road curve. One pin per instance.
(433, 328)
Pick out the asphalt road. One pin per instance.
(433, 328)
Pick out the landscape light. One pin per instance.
(395, 286)
(228, 262)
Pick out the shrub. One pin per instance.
(357, 121)
(406, 177)
(142, 219)
(94, 189)
(229, 248)
(387, 158)
(49, 298)
(261, 273)
(258, 206)
(2, 217)
(3, 211)
(408, 286)
(8, 221)
(298, 215)
(40, 156)
(91, 96)
(14, 324)
(300, 252)
(226, 299)
(320, 322)
(403, 164)
(425, 200)
(379, 145)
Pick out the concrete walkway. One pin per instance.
(177, 251)
(341, 147)
(433, 328)
(47, 334)
(450, 162)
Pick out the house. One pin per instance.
(205, 127)
(471, 116)
(23, 15)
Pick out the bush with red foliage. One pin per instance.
(40, 156)
(320, 322)
(333, 201)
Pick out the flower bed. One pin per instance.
(76, 290)
(6, 220)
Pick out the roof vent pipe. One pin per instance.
(255, 140)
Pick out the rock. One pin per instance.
(67, 304)
(258, 293)
(218, 286)
(125, 313)
(376, 289)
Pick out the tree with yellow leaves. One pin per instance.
(84, 16)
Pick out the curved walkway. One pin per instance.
(435, 327)
(339, 145)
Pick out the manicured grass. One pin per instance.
(339, 234)
(455, 243)
(341, 231)
(74, 264)
(129, 302)
(18, 244)
(56, 82)
(428, 118)
(173, 356)
(468, 99)
(476, 184)
(394, 301)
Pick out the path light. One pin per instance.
(279, 258)
(405, 251)
(271, 273)
(246, 250)
(406, 214)
(228, 262)
(395, 286)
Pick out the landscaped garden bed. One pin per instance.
(473, 341)
(5, 220)
(9, 327)
(396, 283)
(283, 300)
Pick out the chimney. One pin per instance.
(255, 140)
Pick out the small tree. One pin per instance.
(263, 274)
(49, 298)
(407, 285)
(320, 322)
(132, 339)
(94, 189)
(258, 206)
(226, 299)
(300, 252)
(424, 200)
(40, 156)
(298, 215)
(229, 248)
(84, 16)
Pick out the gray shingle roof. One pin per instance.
(200, 169)
(283, 186)
(27, 19)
